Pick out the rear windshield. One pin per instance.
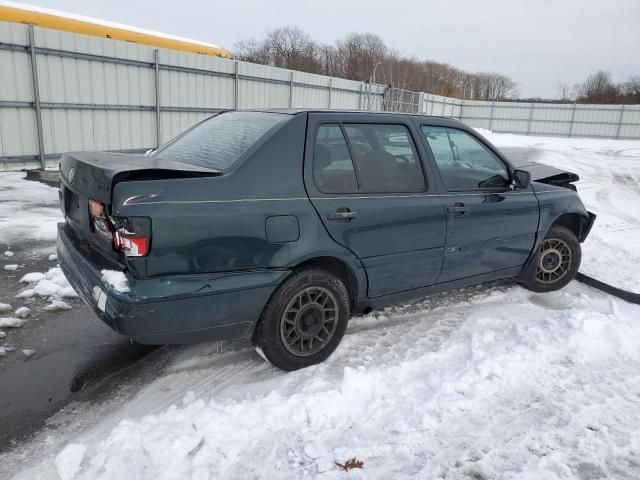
(218, 142)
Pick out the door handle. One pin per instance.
(458, 209)
(343, 214)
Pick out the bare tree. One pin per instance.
(357, 55)
(598, 88)
(564, 89)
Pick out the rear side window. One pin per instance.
(332, 167)
(218, 142)
(372, 158)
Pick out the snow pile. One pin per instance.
(12, 267)
(609, 186)
(118, 280)
(28, 210)
(69, 460)
(22, 312)
(5, 307)
(8, 253)
(52, 284)
(507, 384)
(11, 322)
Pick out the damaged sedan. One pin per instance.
(280, 225)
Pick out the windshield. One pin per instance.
(218, 142)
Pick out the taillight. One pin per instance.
(130, 235)
(131, 245)
(99, 219)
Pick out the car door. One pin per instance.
(490, 225)
(367, 182)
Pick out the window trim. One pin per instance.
(361, 192)
(485, 146)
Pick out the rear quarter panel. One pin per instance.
(219, 224)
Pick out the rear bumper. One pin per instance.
(177, 309)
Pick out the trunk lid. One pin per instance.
(95, 173)
(92, 175)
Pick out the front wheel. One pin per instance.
(304, 320)
(557, 262)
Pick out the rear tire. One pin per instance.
(304, 320)
(557, 261)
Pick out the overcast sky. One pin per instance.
(536, 42)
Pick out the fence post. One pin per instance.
(533, 106)
(236, 86)
(573, 115)
(620, 121)
(330, 91)
(291, 90)
(36, 96)
(157, 82)
(360, 98)
(493, 104)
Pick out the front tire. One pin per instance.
(304, 320)
(557, 261)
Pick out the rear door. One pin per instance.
(490, 226)
(369, 185)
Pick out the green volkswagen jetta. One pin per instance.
(280, 225)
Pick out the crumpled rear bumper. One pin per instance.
(177, 309)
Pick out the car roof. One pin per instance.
(295, 111)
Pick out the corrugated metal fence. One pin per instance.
(100, 94)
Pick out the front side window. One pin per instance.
(465, 163)
(385, 158)
(218, 142)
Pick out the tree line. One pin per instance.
(366, 57)
(600, 88)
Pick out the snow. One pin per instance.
(11, 322)
(2, 334)
(57, 305)
(8, 253)
(22, 312)
(3, 351)
(117, 280)
(28, 210)
(609, 186)
(5, 307)
(53, 257)
(11, 267)
(52, 284)
(104, 23)
(28, 352)
(69, 460)
(502, 383)
(33, 277)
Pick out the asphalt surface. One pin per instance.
(74, 351)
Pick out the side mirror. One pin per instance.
(521, 179)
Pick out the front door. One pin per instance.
(490, 226)
(368, 184)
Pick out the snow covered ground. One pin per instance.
(487, 382)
